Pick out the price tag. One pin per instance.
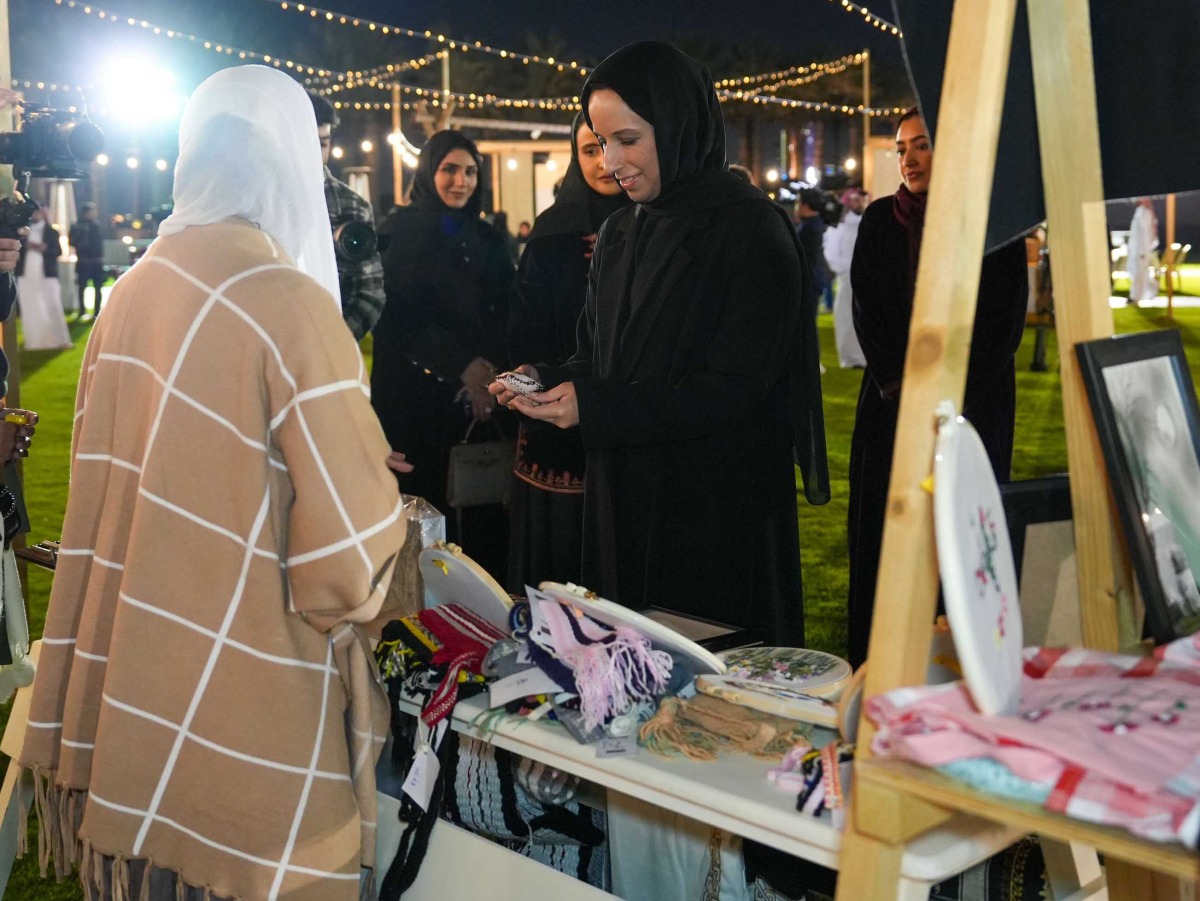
(521, 685)
(422, 777)
(625, 746)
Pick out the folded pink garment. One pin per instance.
(1117, 737)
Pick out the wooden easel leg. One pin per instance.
(868, 868)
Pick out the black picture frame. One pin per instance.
(1148, 421)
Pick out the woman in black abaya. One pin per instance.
(695, 372)
(440, 338)
(546, 513)
(883, 275)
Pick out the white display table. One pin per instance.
(731, 793)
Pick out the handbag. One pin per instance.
(480, 473)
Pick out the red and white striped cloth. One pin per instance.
(465, 638)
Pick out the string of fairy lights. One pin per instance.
(316, 12)
(870, 18)
(756, 89)
(214, 46)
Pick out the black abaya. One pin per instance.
(447, 276)
(883, 299)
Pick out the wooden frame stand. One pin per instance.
(894, 801)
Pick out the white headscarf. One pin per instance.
(248, 147)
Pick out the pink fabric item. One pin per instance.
(1116, 736)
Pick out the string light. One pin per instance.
(870, 18)
(745, 81)
(214, 46)
(353, 78)
(335, 18)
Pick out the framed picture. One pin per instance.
(1144, 405)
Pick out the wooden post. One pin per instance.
(1172, 258)
(940, 337)
(8, 335)
(868, 163)
(1060, 32)
(397, 151)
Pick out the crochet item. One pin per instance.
(613, 669)
(700, 727)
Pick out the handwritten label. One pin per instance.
(521, 685)
(423, 777)
(625, 746)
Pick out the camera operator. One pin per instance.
(360, 275)
(811, 213)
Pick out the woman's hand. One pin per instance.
(15, 436)
(558, 405)
(397, 463)
(503, 394)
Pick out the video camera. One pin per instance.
(354, 240)
(50, 143)
(827, 205)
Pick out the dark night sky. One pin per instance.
(790, 32)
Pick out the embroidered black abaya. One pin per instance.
(696, 375)
(883, 276)
(546, 512)
(447, 275)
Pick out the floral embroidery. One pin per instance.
(1118, 728)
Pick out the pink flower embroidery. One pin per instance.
(1118, 728)
(1036, 716)
(1166, 718)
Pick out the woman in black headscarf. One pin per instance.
(883, 275)
(440, 338)
(695, 372)
(546, 513)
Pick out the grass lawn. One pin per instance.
(49, 379)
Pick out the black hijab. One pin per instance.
(577, 209)
(675, 94)
(424, 192)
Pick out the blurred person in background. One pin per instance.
(839, 253)
(88, 240)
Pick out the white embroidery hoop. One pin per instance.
(614, 615)
(979, 580)
(451, 577)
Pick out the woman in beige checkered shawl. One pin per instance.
(205, 717)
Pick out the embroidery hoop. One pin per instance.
(451, 577)
(979, 580)
(614, 615)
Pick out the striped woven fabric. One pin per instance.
(465, 640)
(204, 701)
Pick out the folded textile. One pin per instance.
(465, 639)
(1088, 725)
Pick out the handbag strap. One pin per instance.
(471, 426)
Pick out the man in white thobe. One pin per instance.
(839, 251)
(1143, 241)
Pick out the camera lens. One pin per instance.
(354, 241)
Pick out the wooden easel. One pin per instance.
(894, 802)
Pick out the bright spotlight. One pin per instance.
(811, 175)
(367, 146)
(338, 153)
(139, 90)
(772, 175)
(102, 159)
(512, 164)
(393, 137)
(132, 162)
(851, 164)
(160, 165)
(127, 239)
(551, 165)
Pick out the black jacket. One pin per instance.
(49, 256)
